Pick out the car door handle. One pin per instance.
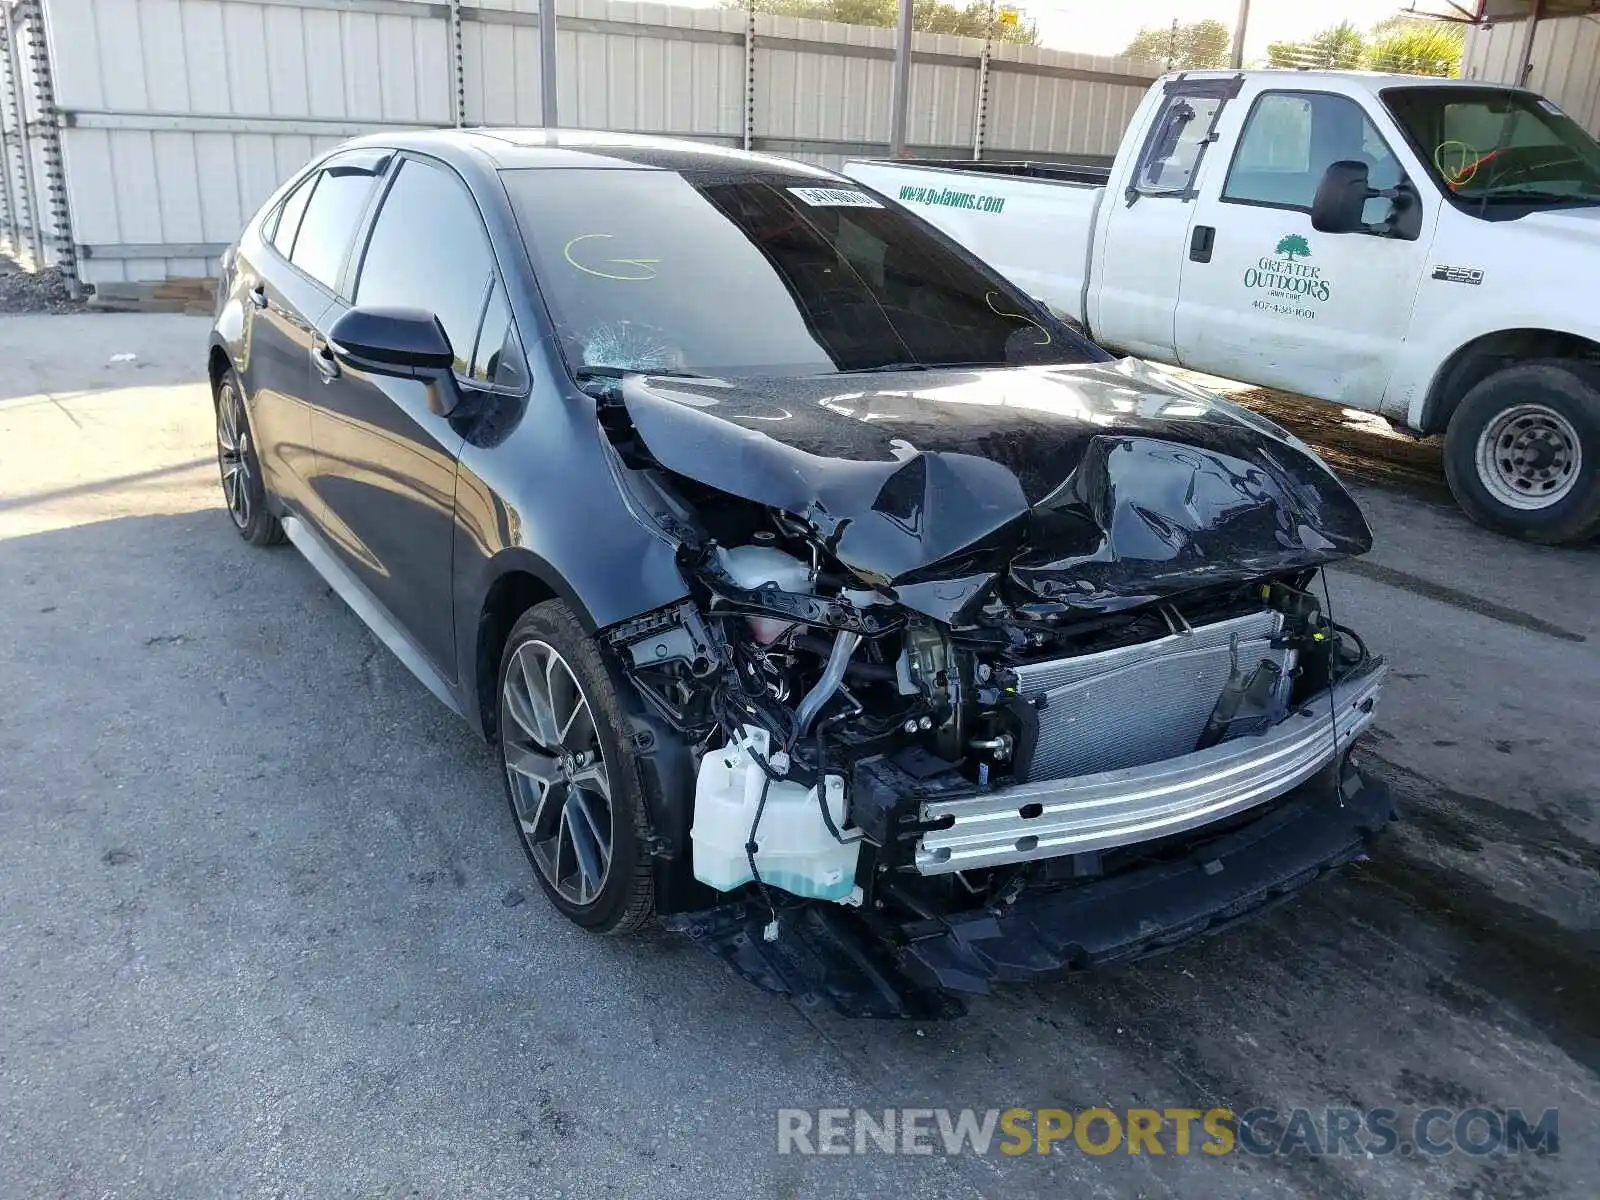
(1201, 241)
(327, 365)
(258, 295)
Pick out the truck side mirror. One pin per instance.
(1341, 197)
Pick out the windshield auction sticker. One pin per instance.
(821, 197)
(1292, 287)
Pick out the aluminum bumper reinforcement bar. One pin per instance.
(1050, 818)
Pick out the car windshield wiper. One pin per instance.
(585, 373)
(1535, 196)
(890, 367)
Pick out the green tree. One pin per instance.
(1292, 245)
(927, 16)
(1414, 47)
(1338, 48)
(1194, 46)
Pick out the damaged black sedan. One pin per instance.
(826, 597)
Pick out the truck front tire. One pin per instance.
(1522, 452)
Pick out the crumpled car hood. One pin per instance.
(1097, 487)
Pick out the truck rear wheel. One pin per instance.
(1522, 452)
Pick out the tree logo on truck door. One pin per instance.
(1292, 245)
(1287, 283)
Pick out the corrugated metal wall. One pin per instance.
(642, 68)
(177, 117)
(1566, 62)
(1043, 100)
(823, 90)
(182, 115)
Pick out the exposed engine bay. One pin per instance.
(983, 652)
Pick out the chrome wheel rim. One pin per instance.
(560, 784)
(1529, 457)
(233, 455)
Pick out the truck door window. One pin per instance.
(1177, 141)
(1289, 140)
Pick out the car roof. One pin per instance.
(524, 149)
(1340, 81)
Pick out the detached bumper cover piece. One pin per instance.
(1050, 818)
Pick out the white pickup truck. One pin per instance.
(1427, 249)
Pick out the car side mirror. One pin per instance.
(406, 342)
(1341, 197)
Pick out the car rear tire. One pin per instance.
(575, 794)
(243, 491)
(1522, 452)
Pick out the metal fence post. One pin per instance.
(55, 167)
(458, 66)
(980, 120)
(547, 64)
(749, 74)
(8, 236)
(1530, 33)
(10, 217)
(29, 204)
(901, 97)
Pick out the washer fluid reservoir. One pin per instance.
(757, 566)
(795, 850)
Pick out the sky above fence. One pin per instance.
(1107, 26)
(1103, 27)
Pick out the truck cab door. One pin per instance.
(1264, 297)
(1144, 234)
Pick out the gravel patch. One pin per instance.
(37, 292)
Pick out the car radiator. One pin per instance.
(1144, 703)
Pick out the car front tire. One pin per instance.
(1522, 452)
(575, 793)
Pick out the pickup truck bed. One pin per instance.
(1031, 221)
(1060, 172)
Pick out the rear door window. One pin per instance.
(329, 224)
(1178, 141)
(428, 250)
(289, 214)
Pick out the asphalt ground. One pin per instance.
(265, 928)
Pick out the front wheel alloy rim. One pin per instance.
(233, 455)
(1529, 457)
(560, 787)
